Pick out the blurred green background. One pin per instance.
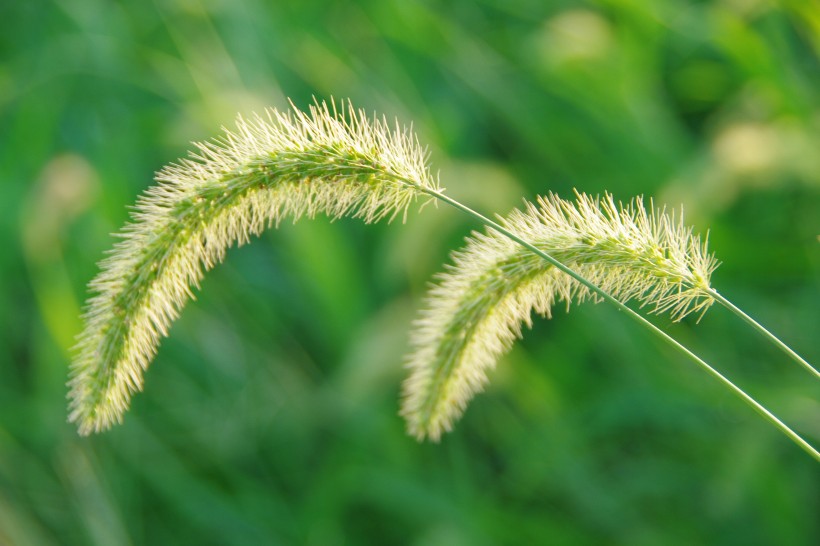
(270, 414)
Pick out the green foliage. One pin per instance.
(587, 434)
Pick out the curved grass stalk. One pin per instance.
(438, 390)
(762, 330)
(475, 312)
(331, 162)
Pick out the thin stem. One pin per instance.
(766, 414)
(766, 333)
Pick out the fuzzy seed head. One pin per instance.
(477, 309)
(329, 160)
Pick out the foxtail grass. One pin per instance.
(338, 162)
(272, 167)
(476, 311)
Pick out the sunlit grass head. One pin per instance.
(332, 161)
(476, 311)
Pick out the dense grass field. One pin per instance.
(270, 413)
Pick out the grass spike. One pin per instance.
(330, 160)
(476, 311)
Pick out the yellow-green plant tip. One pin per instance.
(330, 160)
(476, 311)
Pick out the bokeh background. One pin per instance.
(270, 414)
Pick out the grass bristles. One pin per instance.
(475, 312)
(283, 165)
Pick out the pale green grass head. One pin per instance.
(281, 165)
(476, 311)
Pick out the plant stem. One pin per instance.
(766, 414)
(766, 333)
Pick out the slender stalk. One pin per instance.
(766, 414)
(766, 333)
